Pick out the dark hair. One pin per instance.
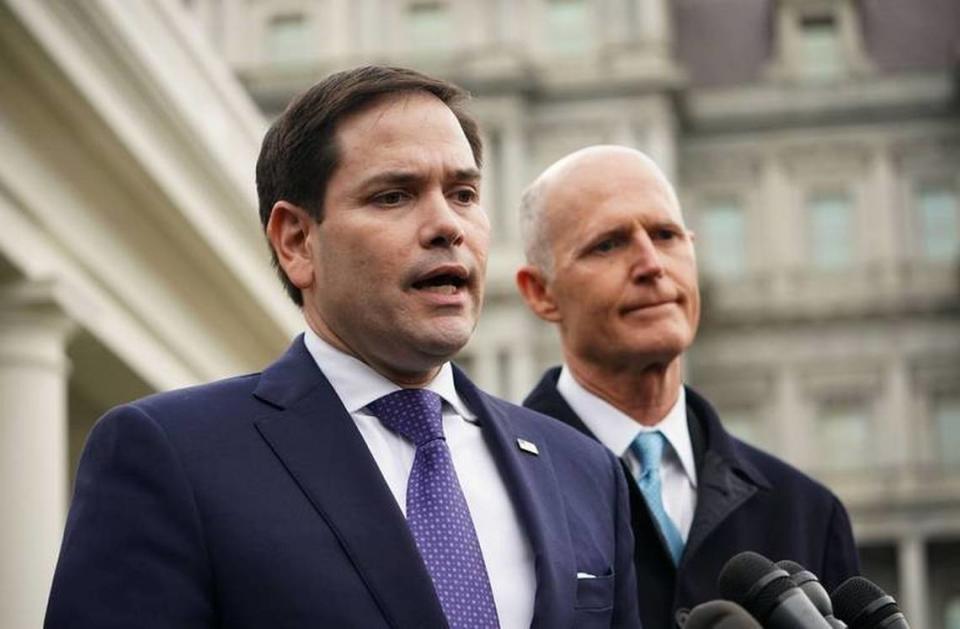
(300, 153)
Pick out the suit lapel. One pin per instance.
(535, 492)
(318, 443)
(726, 481)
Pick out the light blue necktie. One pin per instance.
(648, 447)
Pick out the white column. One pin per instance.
(661, 137)
(780, 251)
(655, 28)
(514, 159)
(899, 436)
(791, 421)
(523, 369)
(485, 367)
(33, 449)
(890, 240)
(912, 575)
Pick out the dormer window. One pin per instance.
(820, 53)
(818, 40)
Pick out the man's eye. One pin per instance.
(394, 197)
(605, 246)
(466, 196)
(664, 234)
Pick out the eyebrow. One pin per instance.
(624, 231)
(406, 178)
(620, 231)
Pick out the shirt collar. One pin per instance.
(616, 430)
(357, 384)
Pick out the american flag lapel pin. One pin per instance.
(528, 446)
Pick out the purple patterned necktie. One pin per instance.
(437, 512)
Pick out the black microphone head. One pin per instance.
(862, 604)
(811, 586)
(792, 567)
(720, 614)
(751, 580)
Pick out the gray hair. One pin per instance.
(533, 226)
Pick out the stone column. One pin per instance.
(33, 448)
(792, 422)
(783, 225)
(890, 243)
(523, 369)
(655, 27)
(661, 136)
(912, 576)
(901, 436)
(514, 158)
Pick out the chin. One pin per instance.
(443, 342)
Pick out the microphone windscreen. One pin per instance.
(753, 581)
(811, 586)
(860, 603)
(792, 567)
(720, 614)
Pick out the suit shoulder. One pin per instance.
(559, 433)
(171, 406)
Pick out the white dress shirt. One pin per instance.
(503, 540)
(616, 430)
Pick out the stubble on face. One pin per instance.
(401, 251)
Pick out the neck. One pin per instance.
(646, 394)
(400, 377)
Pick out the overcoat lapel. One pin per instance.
(726, 480)
(535, 492)
(318, 443)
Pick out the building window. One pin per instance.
(831, 231)
(938, 222)
(723, 238)
(287, 38)
(842, 436)
(951, 619)
(946, 419)
(428, 25)
(820, 52)
(567, 25)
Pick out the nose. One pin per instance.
(441, 224)
(647, 263)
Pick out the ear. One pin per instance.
(535, 290)
(289, 231)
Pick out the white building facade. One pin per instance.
(815, 144)
(131, 259)
(816, 147)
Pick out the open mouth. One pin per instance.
(445, 281)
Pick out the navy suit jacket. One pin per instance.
(746, 500)
(254, 502)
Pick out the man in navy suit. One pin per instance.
(361, 480)
(612, 264)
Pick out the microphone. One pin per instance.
(751, 580)
(720, 615)
(863, 605)
(811, 586)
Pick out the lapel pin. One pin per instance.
(528, 446)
